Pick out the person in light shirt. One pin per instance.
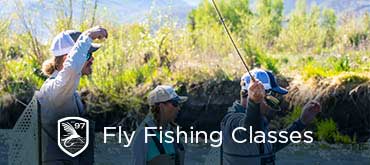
(72, 58)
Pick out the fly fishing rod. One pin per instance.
(273, 102)
(232, 40)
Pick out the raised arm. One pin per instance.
(253, 115)
(67, 80)
(310, 110)
(256, 94)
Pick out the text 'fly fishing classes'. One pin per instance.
(214, 138)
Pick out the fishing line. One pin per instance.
(273, 102)
(231, 39)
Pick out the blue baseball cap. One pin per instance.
(267, 79)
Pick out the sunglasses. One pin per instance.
(244, 93)
(88, 56)
(174, 103)
(272, 98)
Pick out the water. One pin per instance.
(322, 153)
(315, 153)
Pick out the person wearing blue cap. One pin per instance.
(251, 112)
(58, 97)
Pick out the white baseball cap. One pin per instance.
(163, 93)
(64, 42)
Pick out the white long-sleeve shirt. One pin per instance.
(58, 98)
(59, 92)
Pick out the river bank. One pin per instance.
(345, 99)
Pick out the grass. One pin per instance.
(292, 116)
(328, 131)
(354, 78)
(21, 74)
(136, 56)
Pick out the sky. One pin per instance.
(193, 2)
(129, 11)
(42, 12)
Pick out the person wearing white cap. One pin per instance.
(164, 106)
(58, 98)
(251, 112)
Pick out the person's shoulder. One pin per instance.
(140, 132)
(233, 116)
(232, 119)
(236, 107)
(139, 139)
(45, 88)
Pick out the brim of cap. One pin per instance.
(181, 99)
(94, 47)
(280, 90)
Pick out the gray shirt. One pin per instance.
(251, 153)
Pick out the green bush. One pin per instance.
(328, 131)
(137, 56)
(292, 116)
(18, 75)
(266, 24)
(342, 64)
(233, 12)
(303, 32)
(329, 23)
(316, 70)
(265, 61)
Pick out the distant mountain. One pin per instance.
(340, 6)
(129, 11)
(124, 11)
(133, 11)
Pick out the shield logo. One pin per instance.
(73, 135)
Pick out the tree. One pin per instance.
(28, 26)
(233, 12)
(329, 22)
(267, 22)
(303, 32)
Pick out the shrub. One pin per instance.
(292, 116)
(328, 131)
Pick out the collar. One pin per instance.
(237, 107)
(55, 73)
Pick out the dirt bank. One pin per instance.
(345, 99)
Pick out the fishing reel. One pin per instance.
(272, 101)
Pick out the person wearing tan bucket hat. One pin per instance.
(164, 106)
(251, 112)
(58, 97)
